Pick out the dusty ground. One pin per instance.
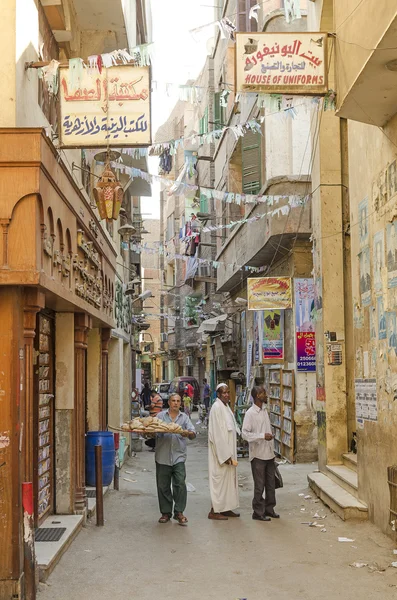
(135, 557)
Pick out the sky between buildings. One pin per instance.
(178, 56)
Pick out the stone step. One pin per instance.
(350, 461)
(48, 554)
(345, 505)
(345, 477)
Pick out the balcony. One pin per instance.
(366, 61)
(261, 242)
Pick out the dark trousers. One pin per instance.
(175, 497)
(264, 474)
(207, 402)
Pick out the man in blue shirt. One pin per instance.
(170, 463)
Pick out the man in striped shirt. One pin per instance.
(156, 404)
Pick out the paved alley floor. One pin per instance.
(133, 556)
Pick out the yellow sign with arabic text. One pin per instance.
(111, 107)
(269, 293)
(283, 63)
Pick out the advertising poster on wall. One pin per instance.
(272, 62)
(391, 254)
(366, 400)
(249, 361)
(273, 336)
(382, 334)
(258, 336)
(365, 276)
(269, 293)
(304, 325)
(379, 259)
(111, 107)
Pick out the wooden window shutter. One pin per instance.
(203, 125)
(217, 110)
(251, 162)
(244, 23)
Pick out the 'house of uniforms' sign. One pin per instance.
(108, 108)
(285, 63)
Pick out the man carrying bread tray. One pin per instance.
(170, 463)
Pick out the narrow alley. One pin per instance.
(134, 556)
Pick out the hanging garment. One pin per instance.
(292, 10)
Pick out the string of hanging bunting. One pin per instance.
(181, 188)
(228, 30)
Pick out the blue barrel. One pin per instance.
(106, 440)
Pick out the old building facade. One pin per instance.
(62, 275)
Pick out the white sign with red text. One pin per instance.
(283, 63)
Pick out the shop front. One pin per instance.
(57, 273)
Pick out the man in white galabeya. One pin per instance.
(257, 431)
(222, 458)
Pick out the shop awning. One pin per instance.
(213, 325)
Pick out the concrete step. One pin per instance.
(345, 505)
(345, 477)
(48, 554)
(350, 461)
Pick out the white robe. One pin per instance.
(222, 444)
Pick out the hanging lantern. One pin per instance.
(108, 195)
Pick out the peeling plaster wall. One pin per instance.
(372, 159)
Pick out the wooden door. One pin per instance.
(44, 417)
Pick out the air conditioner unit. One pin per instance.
(163, 337)
(189, 361)
(204, 271)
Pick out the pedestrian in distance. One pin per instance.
(187, 403)
(222, 458)
(257, 432)
(170, 463)
(155, 407)
(206, 395)
(156, 404)
(145, 396)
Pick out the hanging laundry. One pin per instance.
(107, 60)
(165, 162)
(227, 29)
(224, 98)
(253, 13)
(49, 74)
(292, 10)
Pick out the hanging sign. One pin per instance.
(304, 325)
(291, 63)
(108, 108)
(273, 336)
(269, 293)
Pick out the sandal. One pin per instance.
(164, 518)
(182, 520)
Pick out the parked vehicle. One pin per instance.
(163, 389)
(178, 387)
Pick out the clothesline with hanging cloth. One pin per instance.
(189, 190)
(139, 248)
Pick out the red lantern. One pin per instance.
(108, 195)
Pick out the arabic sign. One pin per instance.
(281, 63)
(111, 107)
(273, 336)
(304, 325)
(269, 293)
